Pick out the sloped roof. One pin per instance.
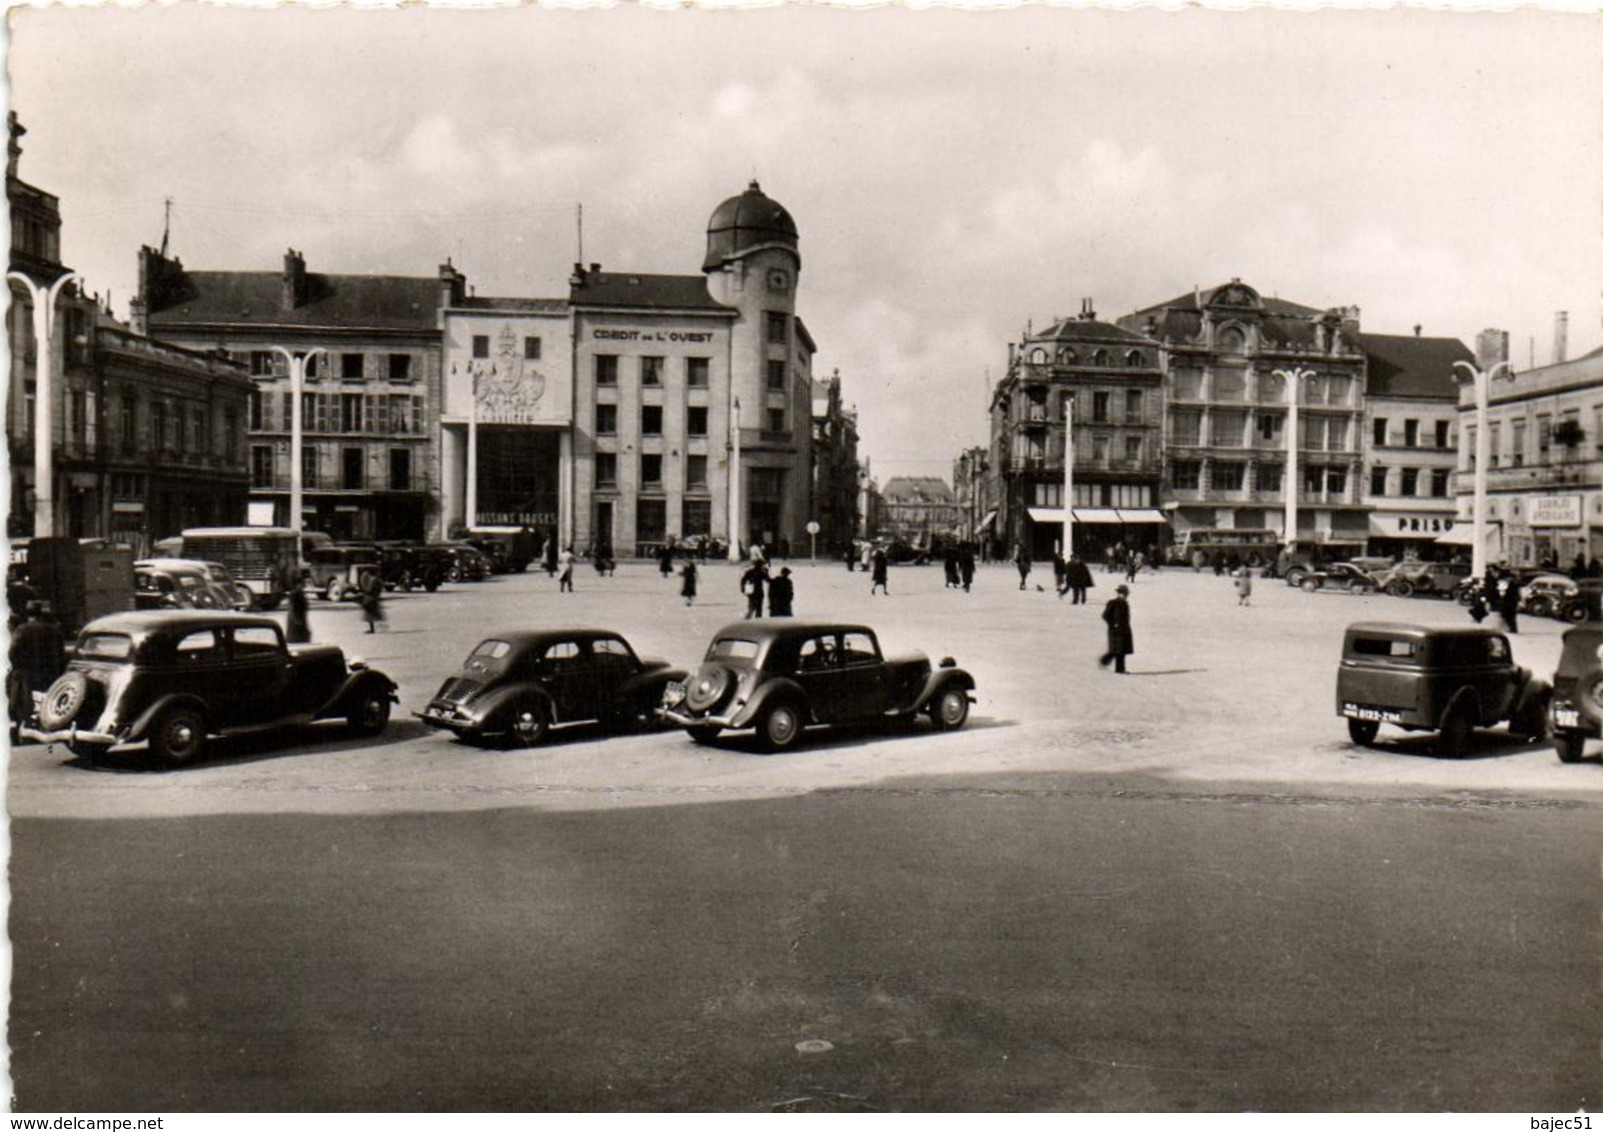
(523, 306)
(752, 219)
(1189, 302)
(655, 292)
(1406, 365)
(1088, 330)
(916, 489)
(246, 298)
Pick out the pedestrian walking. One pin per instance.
(298, 622)
(372, 600)
(1509, 604)
(1132, 566)
(953, 576)
(965, 566)
(687, 583)
(781, 592)
(867, 557)
(1060, 567)
(1121, 641)
(752, 584)
(1244, 586)
(38, 655)
(565, 570)
(1077, 576)
(665, 559)
(549, 555)
(881, 566)
(1021, 559)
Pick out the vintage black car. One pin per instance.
(515, 686)
(1344, 577)
(176, 679)
(779, 678)
(1446, 680)
(1578, 691)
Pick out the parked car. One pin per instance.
(1422, 579)
(1578, 692)
(779, 678)
(1585, 604)
(236, 595)
(1544, 594)
(463, 563)
(1446, 680)
(517, 545)
(337, 571)
(514, 687)
(175, 583)
(1339, 576)
(178, 680)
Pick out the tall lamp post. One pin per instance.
(44, 326)
(1293, 379)
(1483, 450)
(734, 483)
(297, 429)
(1068, 477)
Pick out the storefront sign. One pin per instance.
(603, 334)
(1422, 524)
(1555, 510)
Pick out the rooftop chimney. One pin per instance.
(1561, 337)
(1417, 329)
(452, 285)
(13, 144)
(294, 294)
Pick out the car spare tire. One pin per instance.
(709, 688)
(1588, 694)
(64, 700)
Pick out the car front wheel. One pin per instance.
(1570, 746)
(950, 710)
(1400, 589)
(1362, 731)
(1455, 734)
(1308, 585)
(529, 724)
(179, 737)
(370, 715)
(779, 727)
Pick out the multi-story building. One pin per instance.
(971, 491)
(1231, 359)
(1544, 475)
(917, 510)
(1107, 381)
(1411, 441)
(371, 402)
(146, 438)
(834, 468)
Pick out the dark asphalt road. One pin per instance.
(1049, 945)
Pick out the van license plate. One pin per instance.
(1566, 717)
(1378, 715)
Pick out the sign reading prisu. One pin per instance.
(1423, 524)
(1554, 510)
(513, 370)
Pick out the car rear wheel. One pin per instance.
(178, 737)
(1308, 585)
(1295, 576)
(950, 709)
(1577, 614)
(371, 713)
(703, 734)
(528, 724)
(1400, 588)
(1362, 731)
(1457, 727)
(1540, 606)
(1570, 745)
(779, 726)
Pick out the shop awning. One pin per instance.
(1097, 515)
(990, 517)
(1463, 534)
(1411, 524)
(1142, 516)
(1046, 515)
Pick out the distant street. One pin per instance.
(1181, 889)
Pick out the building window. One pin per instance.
(1099, 406)
(650, 420)
(1230, 385)
(261, 465)
(1380, 432)
(606, 469)
(778, 327)
(1132, 406)
(696, 420)
(651, 520)
(1494, 432)
(776, 420)
(1186, 428)
(265, 363)
(351, 412)
(1186, 474)
(1187, 383)
(651, 370)
(1544, 439)
(695, 517)
(1377, 480)
(1269, 477)
(696, 372)
(481, 345)
(158, 425)
(350, 367)
(1132, 449)
(606, 420)
(130, 416)
(1232, 341)
(695, 474)
(230, 435)
(309, 466)
(1410, 481)
(1441, 434)
(1046, 495)
(1438, 482)
(1228, 429)
(1517, 456)
(1229, 476)
(401, 367)
(776, 376)
(531, 348)
(351, 469)
(1335, 483)
(400, 469)
(1271, 428)
(1411, 433)
(606, 369)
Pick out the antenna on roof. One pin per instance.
(580, 208)
(166, 226)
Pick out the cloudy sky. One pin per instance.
(955, 175)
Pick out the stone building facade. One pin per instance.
(835, 468)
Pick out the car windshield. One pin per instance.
(490, 650)
(106, 646)
(1381, 646)
(732, 648)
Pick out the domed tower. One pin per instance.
(752, 265)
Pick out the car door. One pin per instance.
(821, 672)
(259, 664)
(611, 664)
(863, 675)
(563, 673)
(1496, 679)
(201, 669)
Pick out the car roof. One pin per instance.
(147, 621)
(1418, 632)
(524, 637)
(789, 627)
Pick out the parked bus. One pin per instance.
(1199, 547)
(259, 558)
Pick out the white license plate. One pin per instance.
(673, 692)
(1566, 717)
(1374, 714)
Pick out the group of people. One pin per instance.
(1499, 590)
(757, 583)
(1072, 576)
(959, 567)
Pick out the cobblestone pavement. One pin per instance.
(1219, 698)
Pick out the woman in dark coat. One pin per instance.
(881, 572)
(1121, 641)
(372, 600)
(1077, 576)
(687, 588)
(298, 624)
(781, 592)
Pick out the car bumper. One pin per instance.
(71, 735)
(679, 717)
(445, 720)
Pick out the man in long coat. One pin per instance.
(1121, 641)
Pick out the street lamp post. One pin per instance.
(734, 483)
(1068, 477)
(470, 503)
(44, 325)
(1483, 450)
(297, 428)
(1293, 379)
